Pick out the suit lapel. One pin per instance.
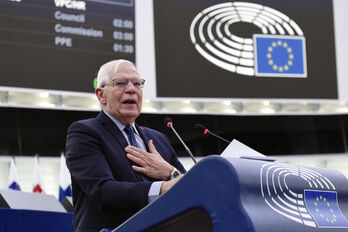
(112, 128)
(119, 137)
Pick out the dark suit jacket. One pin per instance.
(106, 190)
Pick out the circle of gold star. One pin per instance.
(284, 45)
(329, 218)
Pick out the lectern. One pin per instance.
(248, 195)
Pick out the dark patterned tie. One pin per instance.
(130, 133)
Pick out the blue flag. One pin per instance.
(280, 56)
(64, 193)
(64, 180)
(323, 206)
(14, 186)
(13, 177)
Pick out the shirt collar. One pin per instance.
(119, 124)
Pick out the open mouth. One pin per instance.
(129, 102)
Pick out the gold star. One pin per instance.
(290, 63)
(269, 55)
(286, 67)
(285, 45)
(291, 56)
(275, 67)
(270, 62)
(279, 42)
(270, 49)
(315, 203)
(289, 50)
(280, 69)
(274, 44)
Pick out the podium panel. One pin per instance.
(193, 220)
(249, 195)
(22, 220)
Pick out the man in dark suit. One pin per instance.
(117, 167)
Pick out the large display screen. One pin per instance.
(60, 44)
(245, 49)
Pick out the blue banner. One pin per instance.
(323, 206)
(280, 56)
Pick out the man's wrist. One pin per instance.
(174, 173)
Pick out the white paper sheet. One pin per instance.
(237, 149)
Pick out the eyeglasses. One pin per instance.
(122, 82)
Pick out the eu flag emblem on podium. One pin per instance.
(280, 56)
(323, 206)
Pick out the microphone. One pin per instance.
(256, 155)
(201, 128)
(169, 123)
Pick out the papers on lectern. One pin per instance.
(237, 149)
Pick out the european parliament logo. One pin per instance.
(323, 207)
(315, 205)
(282, 56)
(277, 50)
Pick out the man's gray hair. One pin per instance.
(105, 70)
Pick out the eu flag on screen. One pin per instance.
(278, 56)
(323, 206)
